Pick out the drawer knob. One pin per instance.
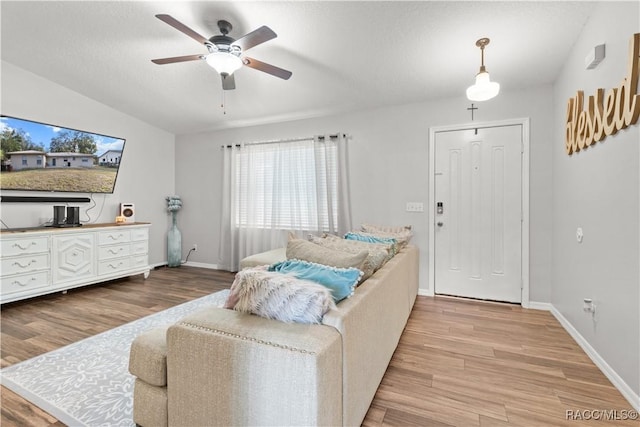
(115, 251)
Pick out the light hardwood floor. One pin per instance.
(459, 362)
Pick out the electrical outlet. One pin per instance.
(195, 247)
(589, 306)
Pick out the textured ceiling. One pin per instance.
(344, 56)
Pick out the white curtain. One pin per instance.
(272, 188)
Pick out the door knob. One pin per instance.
(440, 224)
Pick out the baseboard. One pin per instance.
(535, 305)
(157, 265)
(425, 292)
(188, 264)
(201, 265)
(606, 369)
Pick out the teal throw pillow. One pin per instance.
(340, 281)
(373, 239)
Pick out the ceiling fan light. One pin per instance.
(484, 89)
(224, 62)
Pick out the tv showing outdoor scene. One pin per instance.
(42, 157)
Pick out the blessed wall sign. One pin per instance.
(605, 114)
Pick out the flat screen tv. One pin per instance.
(42, 157)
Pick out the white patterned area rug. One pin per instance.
(88, 383)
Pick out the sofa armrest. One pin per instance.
(229, 368)
(371, 323)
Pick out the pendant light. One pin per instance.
(484, 88)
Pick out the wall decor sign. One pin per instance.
(605, 114)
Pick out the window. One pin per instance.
(85, 160)
(287, 186)
(39, 162)
(24, 160)
(271, 188)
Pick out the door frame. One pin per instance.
(524, 122)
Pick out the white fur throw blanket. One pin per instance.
(279, 296)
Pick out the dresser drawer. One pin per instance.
(25, 264)
(114, 266)
(140, 261)
(11, 247)
(139, 234)
(139, 248)
(24, 282)
(113, 251)
(111, 237)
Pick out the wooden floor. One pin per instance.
(469, 363)
(35, 326)
(459, 362)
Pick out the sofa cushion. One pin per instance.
(341, 281)
(148, 357)
(279, 296)
(150, 405)
(332, 257)
(264, 258)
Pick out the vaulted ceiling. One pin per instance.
(344, 56)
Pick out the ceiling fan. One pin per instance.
(226, 53)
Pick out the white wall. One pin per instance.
(597, 189)
(146, 174)
(388, 161)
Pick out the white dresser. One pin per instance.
(38, 261)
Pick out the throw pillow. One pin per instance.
(370, 238)
(377, 254)
(307, 251)
(401, 236)
(366, 245)
(279, 296)
(371, 228)
(340, 281)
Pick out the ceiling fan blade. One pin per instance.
(255, 38)
(228, 81)
(267, 68)
(182, 28)
(163, 61)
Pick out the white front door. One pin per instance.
(478, 219)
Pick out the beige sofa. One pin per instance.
(222, 367)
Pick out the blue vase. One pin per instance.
(174, 243)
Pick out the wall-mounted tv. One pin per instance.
(38, 156)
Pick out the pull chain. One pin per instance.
(223, 104)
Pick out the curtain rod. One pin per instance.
(277, 141)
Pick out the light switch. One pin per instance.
(415, 207)
(579, 234)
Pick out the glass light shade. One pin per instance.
(224, 62)
(484, 88)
